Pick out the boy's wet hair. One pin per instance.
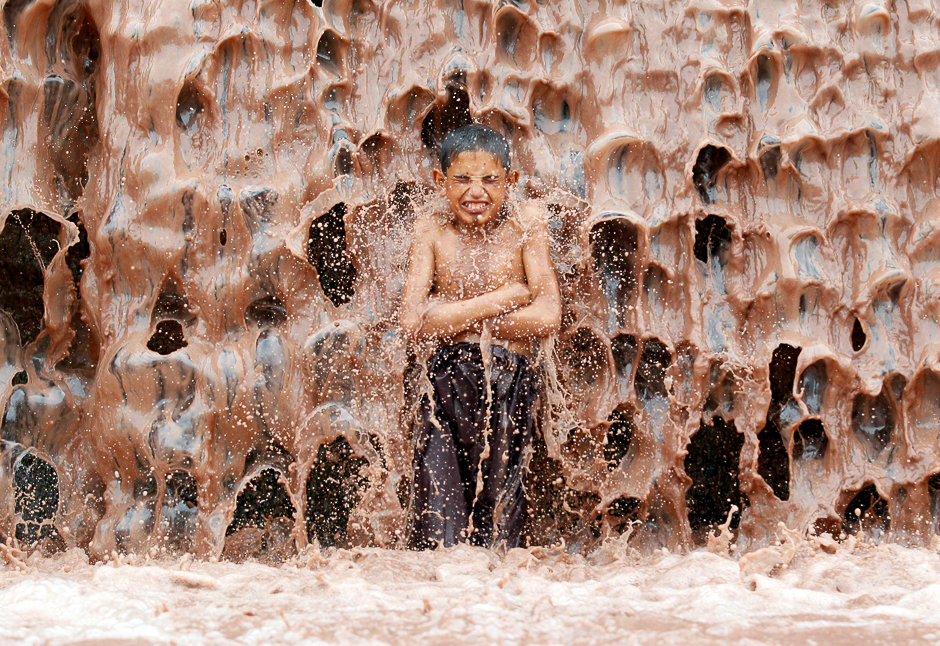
(472, 138)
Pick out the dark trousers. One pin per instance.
(471, 453)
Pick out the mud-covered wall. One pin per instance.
(206, 209)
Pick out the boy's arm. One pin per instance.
(420, 278)
(450, 319)
(542, 317)
(444, 320)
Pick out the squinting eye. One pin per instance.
(491, 180)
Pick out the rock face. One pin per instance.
(206, 212)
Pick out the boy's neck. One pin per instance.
(473, 230)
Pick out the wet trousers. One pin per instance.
(472, 448)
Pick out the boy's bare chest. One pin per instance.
(468, 267)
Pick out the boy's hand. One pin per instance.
(511, 296)
(505, 299)
(448, 319)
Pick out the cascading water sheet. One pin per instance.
(206, 213)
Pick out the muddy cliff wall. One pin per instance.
(206, 209)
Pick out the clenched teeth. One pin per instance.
(476, 206)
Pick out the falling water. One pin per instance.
(206, 213)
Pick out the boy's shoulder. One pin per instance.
(531, 217)
(430, 224)
(531, 213)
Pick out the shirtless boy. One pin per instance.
(481, 271)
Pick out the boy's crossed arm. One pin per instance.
(541, 317)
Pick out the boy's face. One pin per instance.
(475, 186)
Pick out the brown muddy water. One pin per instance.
(205, 214)
(804, 592)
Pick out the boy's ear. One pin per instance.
(513, 176)
(439, 178)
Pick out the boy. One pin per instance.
(480, 272)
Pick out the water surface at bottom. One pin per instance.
(801, 592)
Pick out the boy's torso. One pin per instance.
(469, 265)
